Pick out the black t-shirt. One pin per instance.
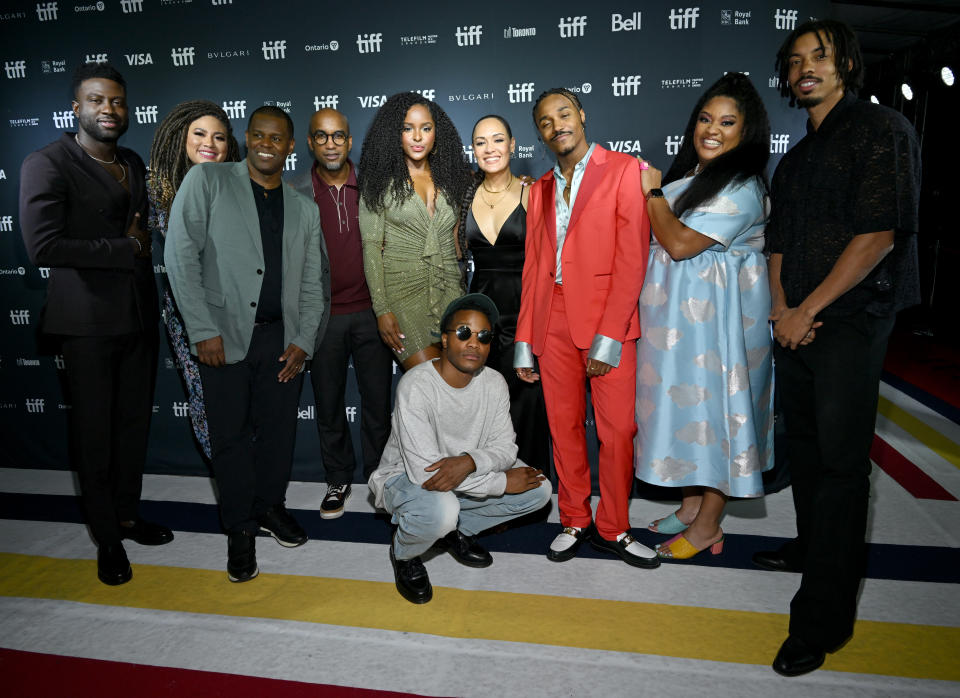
(270, 213)
(858, 173)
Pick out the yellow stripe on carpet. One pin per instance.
(920, 430)
(895, 649)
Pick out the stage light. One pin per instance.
(947, 76)
(906, 91)
(873, 98)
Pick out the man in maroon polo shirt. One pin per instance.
(352, 331)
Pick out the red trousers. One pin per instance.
(563, 374)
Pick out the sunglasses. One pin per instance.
(464, 333)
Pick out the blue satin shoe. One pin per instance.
(669, 525)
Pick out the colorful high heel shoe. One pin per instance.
(679, 548)
(669, 525)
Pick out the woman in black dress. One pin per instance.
(493, 230)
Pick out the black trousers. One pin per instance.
(829, 391)
(252, 419)
(110, 381)
(356, 335)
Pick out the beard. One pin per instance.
(333, 166)
(89, 125)
(807, 102)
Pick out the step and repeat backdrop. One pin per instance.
(637, 67)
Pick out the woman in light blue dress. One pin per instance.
(704, 369)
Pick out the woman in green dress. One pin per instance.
(413, 176)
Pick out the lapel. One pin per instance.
(101, 180)
(291, 229)
(592, 177)
(549, 187)
(243, 193)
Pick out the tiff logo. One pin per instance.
(572, 26)
(774, 81)
(46, 11)
(626, 86)
(673, 144)
(15, 69)
(619, 24)
(369, 43)
(469, 36)
(182, 56)
(180, 409)
(6, 224)
(34, 404)
(44, 272)
(59, 362)
(63, 119)
(779, 142)
(236, 108)
(684, 18)
(146, 115)
(325, 102)
(131, 6)
(351, 413)
(20, 317)
(427, 94)
(520, 92)
(96, 58)
(274, 50)
(290, 164)
(215, 3)
(785, 19)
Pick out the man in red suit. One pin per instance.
(588, 236)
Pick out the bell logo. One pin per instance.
(146, 115)
(626, 86)
(309, 412)
(6, 224)
(619, 24)
(785, 19)
(180, 409)
(236, 109)
(779, 142)
(572, 26)
(139, 58)
(325, 102)
(20, 317)
(63, 119)
(469, 36)
(369, 43)
(15, 69)
(520, 92)
(96, 58)
(35, 404)
(182, 56)
(673, 144)
(274, 50)
(46, 11)
(131, 6)
(684, 18)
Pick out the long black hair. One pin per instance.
(383, 164)
(748, 159)
(846, 54)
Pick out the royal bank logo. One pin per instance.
(180, 409)
(26, 121)
(571, 27)
(53, 66)
(182, 56)
(63, 119)
(418, 40)
(34, 404)
(236, 108)
(519, 32)
(286, 105)
(6, 224)
(96, 58)
(469, 35)
(684, 18)
(131, 6)
(274, 50)
(734, 18)
(518, 92)
(146, 114)
(370, 101)
(369, 43)
(674, 83)
(626, 85)
(625, 146)
(328, 46)
(673, 144)
(290, 164)
(325, 102)
(138, 58)
(785, 19)
(15, 69)
(619, 24)
(46, 11)
(19, 317)
(779, 143)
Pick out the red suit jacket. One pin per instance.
(604, 255)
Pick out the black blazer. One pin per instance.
(74, 217)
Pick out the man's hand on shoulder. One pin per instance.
(449, 472)
(523, 479)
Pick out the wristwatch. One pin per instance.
(654, 194)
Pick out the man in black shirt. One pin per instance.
(246, 262)
(843, 261)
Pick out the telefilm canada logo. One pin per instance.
(418, 40)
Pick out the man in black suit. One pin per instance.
(82, 206)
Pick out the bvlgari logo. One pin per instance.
(228, 53)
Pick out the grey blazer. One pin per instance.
(214, 260)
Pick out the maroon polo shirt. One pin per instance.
(340, 219)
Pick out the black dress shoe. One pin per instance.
(628, 549)
(413, 583)
(796, 657)
(280, 524)
(785, 559)
(241, 556)
(113, 567)
(465, 549)
(565, 546)
(146, 533)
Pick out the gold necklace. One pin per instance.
(503, 191)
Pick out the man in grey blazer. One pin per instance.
(248, 268)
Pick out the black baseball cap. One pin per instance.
(471, 301)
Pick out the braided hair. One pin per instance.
(168, 155)
(383, 164)
(846, 54)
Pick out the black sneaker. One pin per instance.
(241, 557)
(332, 505)
(413, 583)
(280, 524)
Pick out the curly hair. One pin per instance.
(383, 167)
(846, 54)
(748, 159)
(168, 156)
(89, 71)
